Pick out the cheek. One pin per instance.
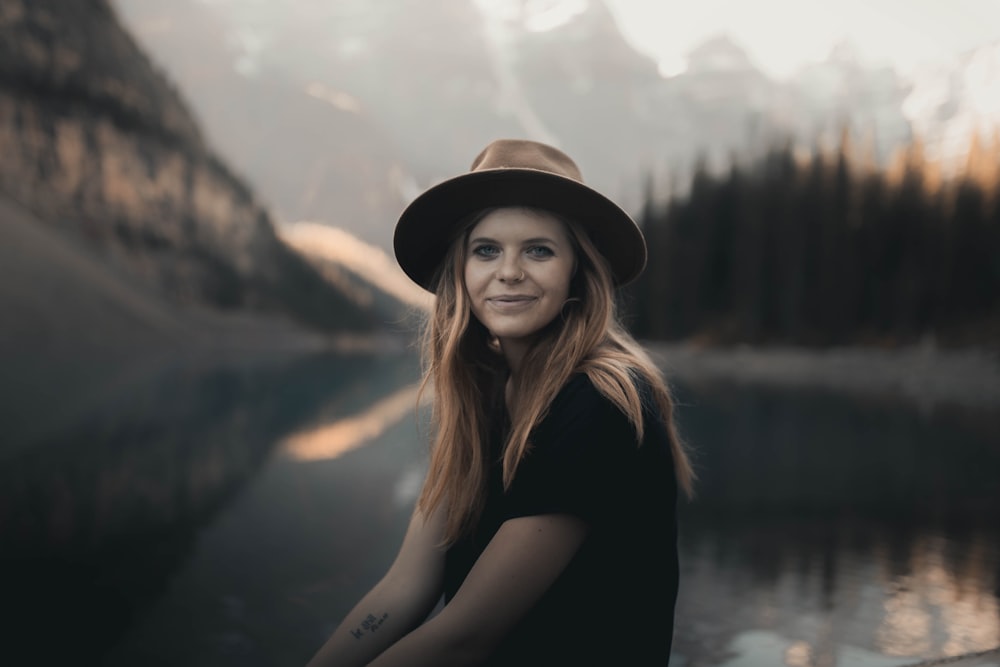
(475, 288)
(471, 279)
(479, 275)
(564, 280)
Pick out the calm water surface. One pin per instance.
(231, 514)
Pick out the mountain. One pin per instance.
(99, 147)
(364, 272)
(951, 102)
(841, 92)
(328, 98)
(308, 148)
(419, 87)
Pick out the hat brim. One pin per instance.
(429, 225)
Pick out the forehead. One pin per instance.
(516, 222)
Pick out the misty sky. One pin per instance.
(783, 35)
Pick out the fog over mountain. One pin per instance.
(950, 102)
(117, 215)
(340, 112)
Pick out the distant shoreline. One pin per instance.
(922, 374)
(925, 375)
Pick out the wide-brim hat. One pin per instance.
(514, 172)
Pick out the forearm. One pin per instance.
(436, 643)
(373, 625)
(521, 562)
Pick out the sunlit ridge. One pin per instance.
(367, 261)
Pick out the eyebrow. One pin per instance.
(537, 239)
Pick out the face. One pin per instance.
(518, 267)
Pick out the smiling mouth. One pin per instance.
(514, 298)
(510, 302)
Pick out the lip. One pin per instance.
(511, 301)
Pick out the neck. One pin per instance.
(514, 352)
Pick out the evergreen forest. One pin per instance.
(825, 249)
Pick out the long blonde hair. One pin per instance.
(464, 367)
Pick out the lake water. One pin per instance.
(230, 514)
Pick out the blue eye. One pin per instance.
(486, 251)
(540, 251)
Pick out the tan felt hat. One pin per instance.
(515, 172)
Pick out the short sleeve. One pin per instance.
(580, 456)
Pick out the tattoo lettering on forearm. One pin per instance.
(370, 624)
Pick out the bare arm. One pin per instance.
(397, 604)
(522, 560)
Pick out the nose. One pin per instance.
(510, 271)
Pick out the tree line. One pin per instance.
(825, 249)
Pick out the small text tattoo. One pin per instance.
(370, 624)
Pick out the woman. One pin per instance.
(547, 518)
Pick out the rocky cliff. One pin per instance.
(97, 145)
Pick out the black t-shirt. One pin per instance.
(614, 602)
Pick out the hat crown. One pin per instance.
(524, 154)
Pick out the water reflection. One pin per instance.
(843, 531)
(330, 441)
(303, 540)
(96, 517)
(232, 515)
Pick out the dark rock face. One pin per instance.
(77, 50)
(97, 143)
